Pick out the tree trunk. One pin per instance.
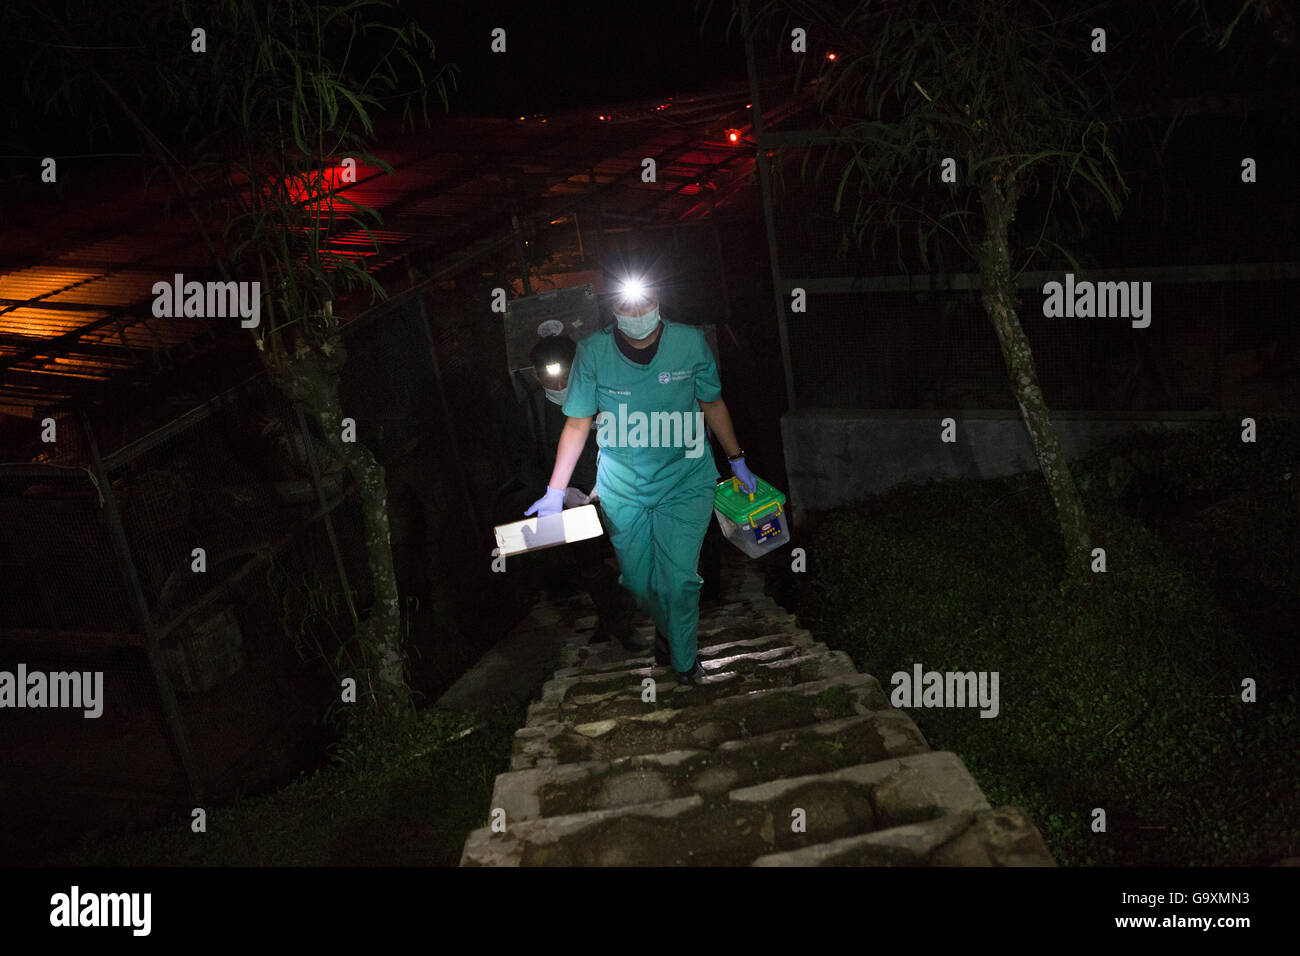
(999, 301)
(381, 634)
(311, 377)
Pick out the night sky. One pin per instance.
(569, 55)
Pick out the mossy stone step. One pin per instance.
(575, 681)
(997, 837)
(743, 825)
(604, 657)
(603, 785)
(578, 703)
(579, 653)
(711, 615)
(730, 718)
(785, 756)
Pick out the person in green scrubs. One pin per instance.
(651, 386)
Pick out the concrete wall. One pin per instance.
(836, 457)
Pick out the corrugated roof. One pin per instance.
(82, 316)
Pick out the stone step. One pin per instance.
(732, 612)
(785, 731)
(747, 604)
(996, 837)
(564, 604)
(620, 695)
(614, 657)
(743, 579)
(739, 605)
(579, 652)
(735, 656)
(604, 785)
(752, 599)
(751, 592)
(729, 718)
(742, 825)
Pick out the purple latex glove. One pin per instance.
(551, 503)
(747, 480)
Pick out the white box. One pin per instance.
(535, 534)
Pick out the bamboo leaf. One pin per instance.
(357, 105)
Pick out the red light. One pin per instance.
(733, 135)
(830, 56)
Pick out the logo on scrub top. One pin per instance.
(664, 378)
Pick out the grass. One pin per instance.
(1126, 698)
(405, 794)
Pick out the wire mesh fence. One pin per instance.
(889, 324)
(210, 577)
(55, 532)
(1211, 346)
(148, 568)
(191, 567)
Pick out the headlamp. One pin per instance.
(633, 291)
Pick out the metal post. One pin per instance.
(457, 462)
(722, 265)
(523, 261)
(310, 446)
(769, 219)
(122, 549)
(1216, 377)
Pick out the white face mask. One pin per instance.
(638, 327)
(556, 395)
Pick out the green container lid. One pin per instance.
(737, 506)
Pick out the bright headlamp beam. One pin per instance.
(554, 369)
(633, 290)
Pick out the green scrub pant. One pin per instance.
(658, 547)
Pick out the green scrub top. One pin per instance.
(649, 427)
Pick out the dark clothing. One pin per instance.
(640, 356)
(592, 566)
(547, 424)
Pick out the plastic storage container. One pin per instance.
(756, 523)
